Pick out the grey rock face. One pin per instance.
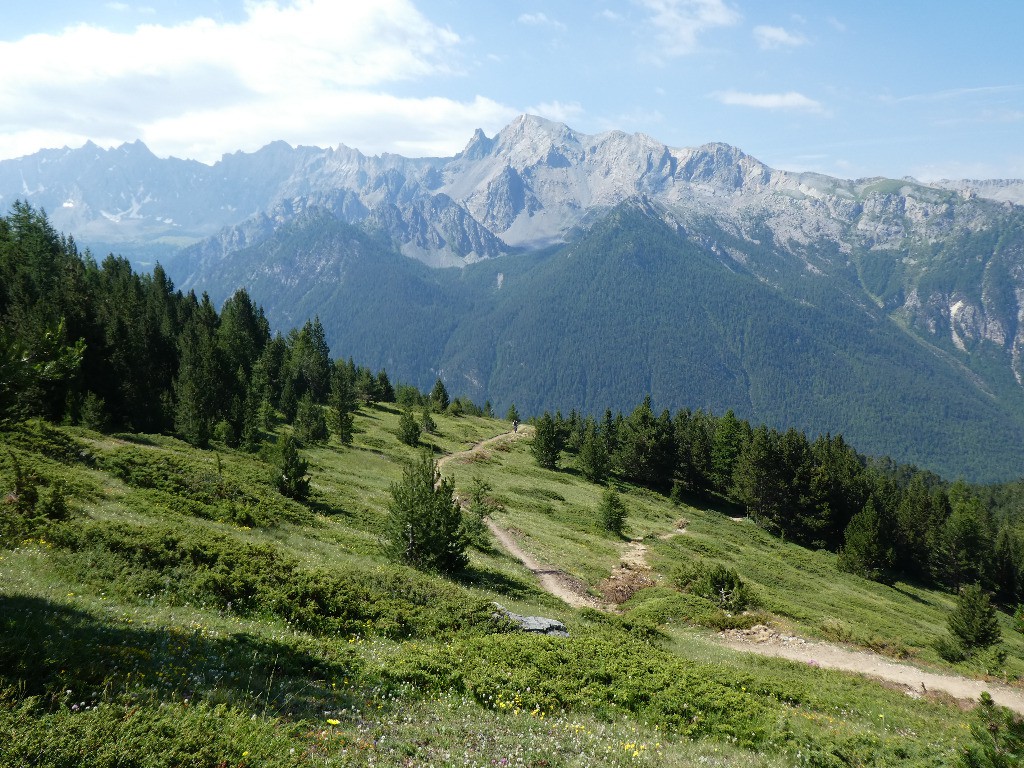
(535, 624)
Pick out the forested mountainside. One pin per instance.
(630, 307)
(884, 309)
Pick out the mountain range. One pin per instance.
(555, 269)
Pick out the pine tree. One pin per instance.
(997, 737)
(964, 545)
(198, 381)
(385, 392)
(342, 403)
(439, 399)
(973, 621)
(93, 413)
(646, 452)
(726, 447)
(593, 457)
(427, 422)
(759, 481)
(865, 551)
(546, 447)
(1008, 564)
(612, 511)
(310, 424)
(917, 526)
(408, 429)
(512, 414)
(365, 385)
(252, 421)
(293, 477)
(425, 526)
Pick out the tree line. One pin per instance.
(884, 520)
(95, 343)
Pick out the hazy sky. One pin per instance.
(854, 88)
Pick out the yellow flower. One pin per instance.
(332, 721)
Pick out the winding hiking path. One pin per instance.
(915, 681)
(555, 582)
(760, 640)
(483, 445)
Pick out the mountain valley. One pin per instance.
(552, 269)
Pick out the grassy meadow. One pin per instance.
(184, 613)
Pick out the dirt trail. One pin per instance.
(633, 573)
(484, 445)
(558, 583)
(555, 582)
(915, 681)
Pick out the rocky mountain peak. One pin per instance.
(478, 147)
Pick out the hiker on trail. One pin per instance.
(515, 425)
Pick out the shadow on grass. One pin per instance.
(712, 502)
(911, 595)
(504, 584)
(60, 653)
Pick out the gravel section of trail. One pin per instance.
(915, 681)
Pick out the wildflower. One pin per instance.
(332, 721)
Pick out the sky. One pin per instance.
(890, 88)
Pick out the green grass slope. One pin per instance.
(183, 613)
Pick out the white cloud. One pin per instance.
(951, 94)
(557, 111)
(540, 20)
(790, 100)
(306, 71)
(836, 24)
(681, 22)
(776, 37)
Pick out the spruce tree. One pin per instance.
(612, 512)
(546, 446)
(408, 429)
(425, 527)
(292, 477)
(439, 399)
(973, 621)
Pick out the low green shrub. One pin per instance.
(714, 582)
(40, 437)
(187, 564)
(124, 735)
(661, 605)
(605, 673)
(29, 503)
